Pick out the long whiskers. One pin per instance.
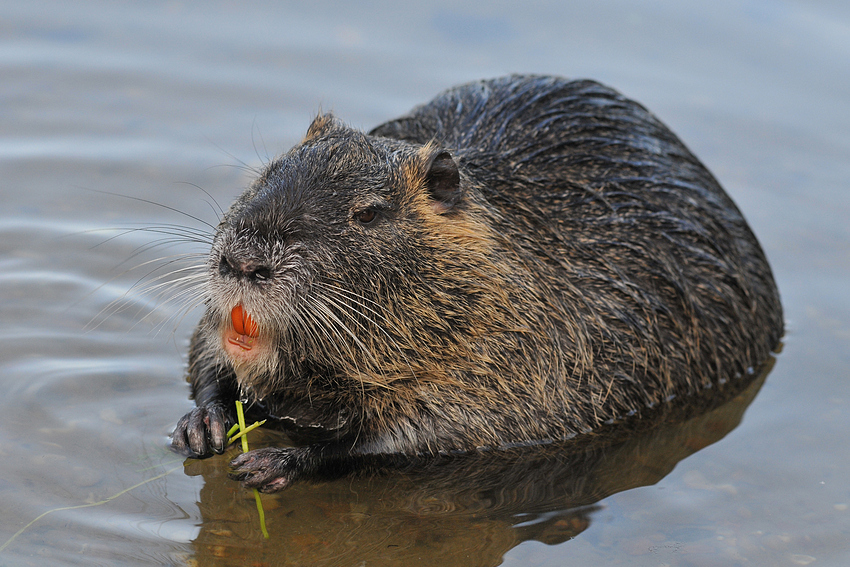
(355, 309)
(380, 314)
(174, 284)
(340, 331)
(183, 288)
(322, 308)
(163, 206)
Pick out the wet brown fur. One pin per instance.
(568, 262)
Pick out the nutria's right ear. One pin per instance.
(322, 124)
(443, 182)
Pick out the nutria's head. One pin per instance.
(331, 258)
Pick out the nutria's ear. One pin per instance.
(322, 124)
(443, 182)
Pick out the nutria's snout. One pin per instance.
(240, 279)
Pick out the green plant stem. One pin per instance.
(240, 415)
(231, 438)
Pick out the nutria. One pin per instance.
(517, 261)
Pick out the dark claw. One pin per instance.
(217, 421)
(267, 470)
(201, 432)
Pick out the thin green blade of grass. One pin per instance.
(232, 438)
(240, 415)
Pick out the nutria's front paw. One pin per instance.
(267, 470)
(202, 431)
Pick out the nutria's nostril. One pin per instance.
(250, 270)
(225, 268)
(260, 274)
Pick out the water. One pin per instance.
(152, 100)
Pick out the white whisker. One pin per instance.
(359, 301)
(174, 283)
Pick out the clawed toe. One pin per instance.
(266, 470)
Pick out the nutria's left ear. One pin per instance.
(443, 182)
(323, 124)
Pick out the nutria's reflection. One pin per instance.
(466, 511)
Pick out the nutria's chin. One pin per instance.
(518, 260)
(242, 349)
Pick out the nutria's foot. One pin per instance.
(202, 431)
(267, 470)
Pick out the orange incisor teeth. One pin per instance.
(243, 323)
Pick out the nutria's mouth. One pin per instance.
(242, 341)
(241, 336)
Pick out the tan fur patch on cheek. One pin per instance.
(412, 174)
(413, 180)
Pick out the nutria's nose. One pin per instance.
(251, 270)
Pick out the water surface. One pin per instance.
(165, 101)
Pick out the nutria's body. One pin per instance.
(518, 260)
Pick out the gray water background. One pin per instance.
(154, 99)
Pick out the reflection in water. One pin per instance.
(466, 511)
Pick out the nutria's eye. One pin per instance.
(366, 217)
